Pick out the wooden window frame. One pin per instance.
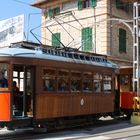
(48, 77)
(87, 76)
(78, 78)
(100, 79)
(65, 78)
(107, 80)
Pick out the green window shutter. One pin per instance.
(50, 13)
(56, 39)
(118, 3)
(122, 40)
(80, 4)
(93, 3)
(87, 39)
(122, 5)
(57, 10)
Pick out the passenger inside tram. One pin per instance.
(3, 80)
(62, 85)
(97, 86)
(17, 97)
(48, 85)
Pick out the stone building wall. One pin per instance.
(105, 32)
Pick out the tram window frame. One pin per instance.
(15, 77)
(19, 77)
(97, 88)
(63, 80)
(76, 77)
(108, 82)
(4, 70)
(21, 83)
(49, 80)
(87, 85)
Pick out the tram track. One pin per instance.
(29, 134)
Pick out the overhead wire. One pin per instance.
(19, 1)
(99, 7)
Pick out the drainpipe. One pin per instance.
(110, 28)
(94, 31)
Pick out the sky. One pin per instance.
(12, 8)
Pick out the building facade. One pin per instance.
(90, 25)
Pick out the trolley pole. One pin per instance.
(135, 118)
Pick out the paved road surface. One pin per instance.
(118, 131)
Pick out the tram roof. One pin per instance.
(33, 50)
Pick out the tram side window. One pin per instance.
(49, 80)
(3, 75)
(97, 82)
(87, 82)
(63, 80)
(15, 77)
(124, 79)
(21, 76)
(75, 82)
(107, 83)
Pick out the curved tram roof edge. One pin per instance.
(57, 55)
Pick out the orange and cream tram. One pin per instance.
(54, 86)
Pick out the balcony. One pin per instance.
(43, 4)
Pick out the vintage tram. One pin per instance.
(55, 86)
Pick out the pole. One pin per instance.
(135, 117)
(136, 86)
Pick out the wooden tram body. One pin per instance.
(54, 85)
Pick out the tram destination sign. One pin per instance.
(11, 30)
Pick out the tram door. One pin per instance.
(29, 89)
(23, 80)
(117, 94)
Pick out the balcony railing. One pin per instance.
(129, 1)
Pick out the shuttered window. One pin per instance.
(53, 12)
(87, 39)
(56, 39)
(50, 13)
(86, 3)
(122, 40)
(121, 5)
(93, 3)
(80, 4)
